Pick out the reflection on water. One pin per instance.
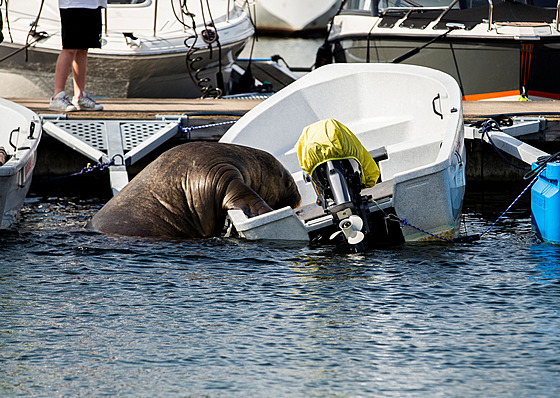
(547, 258)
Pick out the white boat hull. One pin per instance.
(114, 76)
(413, 113)
(20, 133)
(158, 63)
(290, 16)
(508, 59)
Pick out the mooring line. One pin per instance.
(516, 199)
(101, 166)
(188, 129)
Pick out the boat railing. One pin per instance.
(413, 9)
(155, 16)
(557, 14)
(445, 10)
(410, 9)
(156, 7)
(490, 14)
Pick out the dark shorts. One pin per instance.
(81, 28)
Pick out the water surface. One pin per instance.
(84, 314)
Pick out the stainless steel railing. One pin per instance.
(490, 14)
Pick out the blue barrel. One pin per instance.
(545, 204)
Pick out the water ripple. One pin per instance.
(89, 314)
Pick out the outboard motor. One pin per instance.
(338, 184)
(339, 167)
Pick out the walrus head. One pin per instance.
(258, 182)
(274, 183)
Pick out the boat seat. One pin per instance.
(380, 190)
(408, 155)
(379, 154)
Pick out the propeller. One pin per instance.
(351, 228)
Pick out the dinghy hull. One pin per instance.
(20, 133)
(411, 114)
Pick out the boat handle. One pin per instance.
(11, 135)
(31, 131)
(437, 97)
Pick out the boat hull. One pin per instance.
(504, 60)
(484, 69)
(421, 136)
(294, 16)
(20, 134)
(145, 50)
(118, 76)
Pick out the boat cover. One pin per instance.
(329, 139)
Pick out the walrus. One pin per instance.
(187, 191)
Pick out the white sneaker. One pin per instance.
(85, 103)
(61, 102)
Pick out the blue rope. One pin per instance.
(516, 199)
(470, 238)
(188, 129)
(89, 168)
(98, 166)
(405, 222)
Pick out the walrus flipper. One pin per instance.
(240, 196)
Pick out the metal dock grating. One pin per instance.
(118, 142)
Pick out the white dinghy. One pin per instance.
(162, 48)
(20, 133)
(409, 118)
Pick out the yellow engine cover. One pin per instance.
(329, 139)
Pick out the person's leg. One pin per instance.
(63, 65)
(81, 100)
(60, 101)
(79, 71)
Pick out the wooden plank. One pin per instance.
(480, 109)
(147, 108)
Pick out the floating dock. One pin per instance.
(133, 131)
(125, 136)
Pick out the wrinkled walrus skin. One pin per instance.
(187, 191)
